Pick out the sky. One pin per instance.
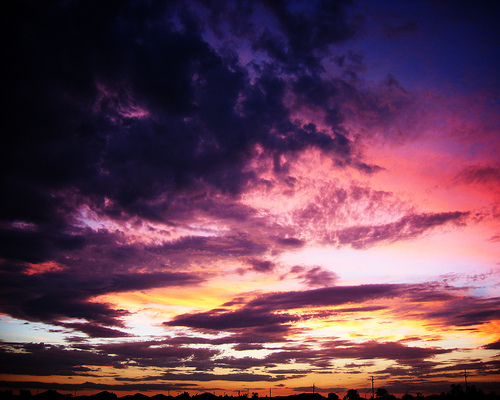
(259, 195)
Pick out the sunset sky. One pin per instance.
(225, 196)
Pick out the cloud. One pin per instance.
(41, 359)
(95, 330)
(274, 310)
(369, 350)
(330, 296)
(315, 276)
(406, 227)
(480, 174)
(138, 387)
(158, 354)
(142, 125)
(467, 311)
(237, 377)
(54, 296)
(267, 310)
(261, 265)
(304, 32)
(493, 346)
(221, 319)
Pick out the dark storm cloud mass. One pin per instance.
(126, 101)
(303, 35)
(125, 109)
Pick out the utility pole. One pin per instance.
(465, 378)
(270, 393)
(373, 389)
(313, 388)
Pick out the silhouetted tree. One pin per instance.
(255, 395)
(333, 396)
(474, 393)
(352, 394)
(49, 395)
(456, 390)
(104, 396)
(381, 392)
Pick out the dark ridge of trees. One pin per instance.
(456, 393)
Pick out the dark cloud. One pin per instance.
(467, 311)
(261, 265)
(330, 296)
(237, 377)
(318, 276)
(272, 310)
(389, 350)
(304, 32)
(222, 319)
(96, 331)
(341, 349)
(99, 109)
(486, 175)
(290, 242)
(44, 360)
(54, 296)
(226, 246)
(493, 346)
(406, 227)
(138, 387)
(158, 353)
(268, 310)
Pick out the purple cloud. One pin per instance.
(405, 228)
